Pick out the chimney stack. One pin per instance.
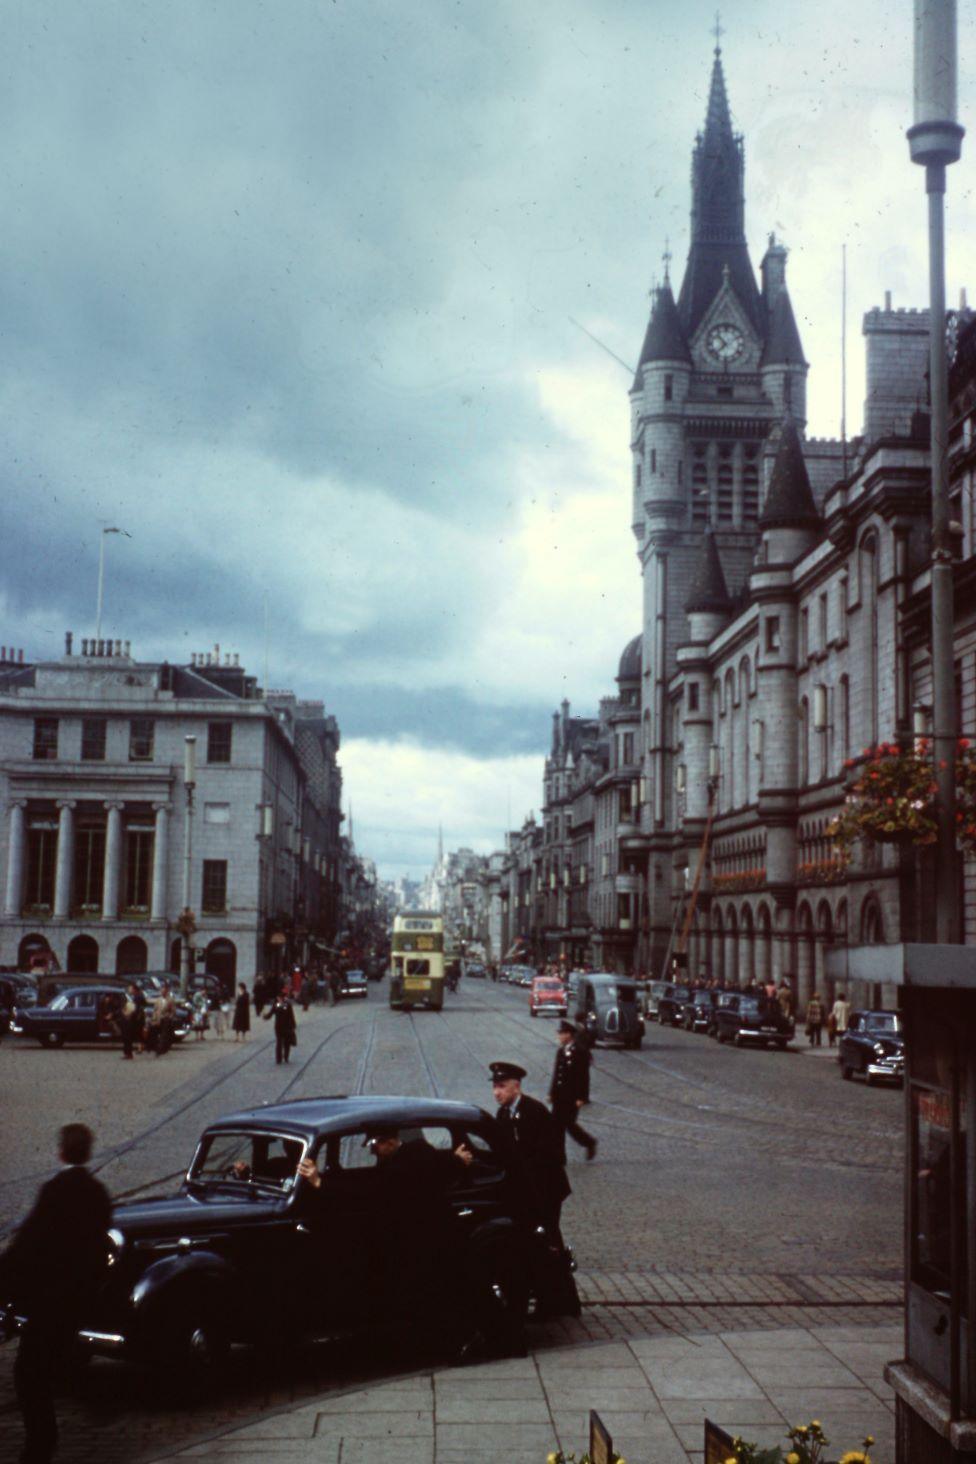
(67, 642)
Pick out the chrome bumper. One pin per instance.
(885, 1069)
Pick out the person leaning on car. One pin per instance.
(51, 1267)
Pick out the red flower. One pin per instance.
(963, 743)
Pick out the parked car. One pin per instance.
(696, 1014)
(84, 1014)
(874, 1047)
(655, 990)
(547, 994)
(609, 1009)
(722, 999)
(476, 970)
(354, 983)
(243, 1254)
(746, 1017)
(671, 1004)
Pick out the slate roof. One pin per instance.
(664, 339)
(789, 502)
(708, 590)
(783, 345)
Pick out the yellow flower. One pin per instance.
(552, 1458)
(792, 1457)
(854, 1457)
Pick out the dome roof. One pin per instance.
(630, 662)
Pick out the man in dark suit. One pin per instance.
(570, 1088)
(533, 1140)
(285, 1030)
(49, 1270)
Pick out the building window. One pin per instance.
(822, 604)
(725, 491)
(89, 867)
(628, 756)
(693, 696)
(668, 388)
(653, 459)
(45, 738)
(138, 866)
(141, 737)
(804, 650)
(93, 739)
(845, 718)
(219, 736)
(216, 813)
(772, 633)
(637, 475)
(804, 735)
(214, 898)
(42, 850)
(750, 486)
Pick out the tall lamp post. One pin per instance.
(187, 921)
(935, 140)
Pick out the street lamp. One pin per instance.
(935, 140)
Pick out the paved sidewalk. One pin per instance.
(653, 1394)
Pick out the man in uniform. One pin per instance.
(533, 1140)
(570, 1088)
(50, 1269)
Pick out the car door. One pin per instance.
(78, 1020)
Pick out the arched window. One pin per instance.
(83, 955)
(131, 957)
(872, 925)
(803, 733)
(868, 577)
(844, 720)
(33, 949)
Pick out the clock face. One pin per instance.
(725, 342)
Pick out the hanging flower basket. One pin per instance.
(893, 797)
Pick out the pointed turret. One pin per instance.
(708, 592)
(790, 503)
(717, 215)
(664, 339)
(783, 345)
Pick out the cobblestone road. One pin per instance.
(731, 1187)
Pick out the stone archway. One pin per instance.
(34, 953)
(747, 946)
(732, 946)
(131, 957)
(222, 962)
(718, 946)
(83, 955)
(805, 957)
(825, 938)
(763, 945)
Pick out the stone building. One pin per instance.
(93, 824)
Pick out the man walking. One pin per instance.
(284, 1026)
(570, 1089)
(49, 1270)
(532, 1139)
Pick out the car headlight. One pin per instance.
(879, 1050)
(116, 1245)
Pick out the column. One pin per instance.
(160, 861)
(66, 856)
(16, 857)
(113, 862)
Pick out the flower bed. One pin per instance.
(744, 879)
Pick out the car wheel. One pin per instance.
(846, 1072)
(52, 1039)
(195, 1347)
(636, 1041)
(533, 1012)
(780, 1044)
(739, 1039)
(869, 1078)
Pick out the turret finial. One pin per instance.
(666, 257)
(718, 32)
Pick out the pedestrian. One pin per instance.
(242, 1014)
(531, 1137)
(784, 996)
(306, 993)
(335, 985)
(814, 1020)
(260, 993)
(133, 1018)
(200, 1020)
(570, 1088)
(49, 1273)
(161, 1022)
(840, 1016)
(286, 1036)
(215, 1012)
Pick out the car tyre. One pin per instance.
(780, 1044)
(195, 1348)
(533, 1012)
(739, 1040)
(52, 1039)
(846, 1072)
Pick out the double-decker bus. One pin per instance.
(417, 972)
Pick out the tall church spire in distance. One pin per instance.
(718, 235)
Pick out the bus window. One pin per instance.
(398, 965)
(418, 968)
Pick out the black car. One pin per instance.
(671, 1005)
(354, 983)
(88, 1013)
(746, 1017)
(245, 1252)
(696, 1015)
(874, 1047)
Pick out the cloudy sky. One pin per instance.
(286, 291)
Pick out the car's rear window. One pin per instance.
(883, 1022)
(550, 984)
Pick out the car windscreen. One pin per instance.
(749, 1006)
(549, 985)
(241, 1157)
(885, 1022)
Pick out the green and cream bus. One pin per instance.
(417, 973)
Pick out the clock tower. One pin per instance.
(719, 368)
